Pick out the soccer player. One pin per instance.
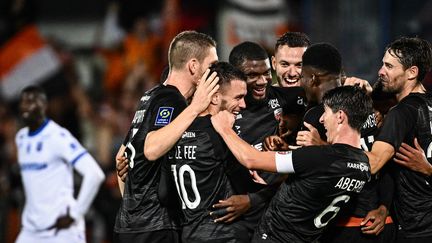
(200, 163)
(258, 120)
(287, 59)
(47, 156)
(160, 120)
(322, 67)
(405, 64)
(323, 179)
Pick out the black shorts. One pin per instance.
(401, 238)
(159, 236)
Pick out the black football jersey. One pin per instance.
(199, 162)
(410, 119)
(260, 119)
(140, 209)
(325, 179)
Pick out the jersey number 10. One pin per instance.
(181, 189)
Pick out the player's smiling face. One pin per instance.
(258, 73)
(329, 119)
(232, 97)
(287, 63)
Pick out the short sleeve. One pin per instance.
(397, 124)
(68, 147)
(309, 160)
(164, 110)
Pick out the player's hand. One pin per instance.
(377, 217)
(207, 86)
(413, 158)
(257, 178)
(223, 120)
(308, 138)
(274, 143)
(122, 167)
(231, 208)
(362, 83)
(62, 222)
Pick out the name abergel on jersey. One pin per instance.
(350, 184)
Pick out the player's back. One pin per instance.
(325, 179)
(198, 162)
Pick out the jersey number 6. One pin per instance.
(330, 209)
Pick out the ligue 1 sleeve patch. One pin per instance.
(164, 115)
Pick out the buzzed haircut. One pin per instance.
(226, 73)
(352, 100)
(246, 51)
(187, 45)
(37, 90)
(323, 56)
(412, 52)
(293, 39)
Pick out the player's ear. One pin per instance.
(215, 100)
(273, 60)
(412, 72)
(341, 116)
(193, 66)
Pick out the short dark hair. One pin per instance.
(293, 39)
(323, 56)
(412, 52)
(226, 72)
(187, 45)
(352, 100)
(37, 90)
(246, 51)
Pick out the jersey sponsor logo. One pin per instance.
(370, 122)
(33, 166)
(164, 116)
(188, 135)
(139, 116)
(273, 103)
(358, 166)
(349, 184)
(39, 146)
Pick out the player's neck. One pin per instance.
(33, 126)
(183, 82)
(418, 88)
(348, 136)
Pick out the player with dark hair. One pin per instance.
(322, 67)
(47, 156)
(200, 163)
(160, 120)
(263, 107)
(324, 177)
(287, 59)
(407, 128)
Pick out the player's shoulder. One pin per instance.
(22, 133)
(288, 94)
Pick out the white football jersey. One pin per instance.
(46, 158)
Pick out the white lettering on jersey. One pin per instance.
(273, 103)
(358, 166)
(145, 98)
(188, 135)
(370, 122)
(258, 146)
(349, 184)
(139, 116)
(185, 152)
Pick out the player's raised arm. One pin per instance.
(160, 141)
